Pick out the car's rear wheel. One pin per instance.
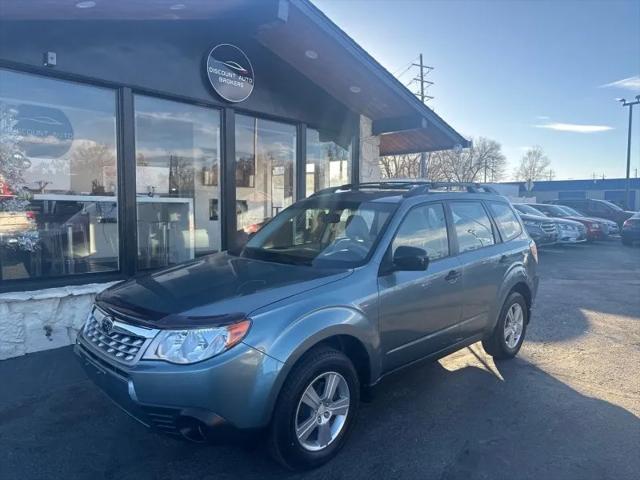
(507, 336)
(315, 410)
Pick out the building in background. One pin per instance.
(611, 189)
(138, 135)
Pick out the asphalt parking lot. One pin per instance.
(567, 408)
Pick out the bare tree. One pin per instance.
(534, 165)
(483, 161)
(400, 166)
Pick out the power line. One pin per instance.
(404, 68)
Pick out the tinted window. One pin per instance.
(424, 227)
(328, 162)
(505, 218)
(472, 225)
(58, 178)
(177, 181)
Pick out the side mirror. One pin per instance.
(410, 259)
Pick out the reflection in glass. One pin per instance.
(58, 178)
(265, 171)
(328, 163)
(177, 171)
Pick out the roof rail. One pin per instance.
(470, 187)
(412, 187)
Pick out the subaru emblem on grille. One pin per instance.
(106, 325)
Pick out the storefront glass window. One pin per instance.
(328, 163)
(58, 178)
(177, 181)
(265, 171)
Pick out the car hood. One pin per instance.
(606, 221)
(567, 221)
(535, 218)
(582, 219)
(213, 290)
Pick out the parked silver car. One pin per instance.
(333, 294)
(568, 231)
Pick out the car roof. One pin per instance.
(399, 191)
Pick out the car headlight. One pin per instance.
(564, 226)
(194, 345)
(530, 223)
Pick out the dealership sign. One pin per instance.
(230, 72)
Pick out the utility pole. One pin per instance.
(424, 98)
(628, 186)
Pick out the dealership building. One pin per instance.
(138, 135)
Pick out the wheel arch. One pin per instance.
(353, 337)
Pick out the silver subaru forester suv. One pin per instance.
(333, 294)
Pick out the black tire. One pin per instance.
(283, 442)
(495, 344)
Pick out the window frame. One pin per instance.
(497, 238)
(503, 238)
(126, 166)
(387, 259)
(54, 281)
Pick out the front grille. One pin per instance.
(114, 339)
(549, 227)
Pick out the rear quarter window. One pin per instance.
(506, 220)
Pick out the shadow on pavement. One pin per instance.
(602, 277)
(458, 422)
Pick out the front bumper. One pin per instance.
(221, 395)
(571, 236)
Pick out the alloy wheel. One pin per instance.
(513, 325)
(322, 411)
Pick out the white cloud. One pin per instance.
(542, 117)
(575, 127)
(631, 83)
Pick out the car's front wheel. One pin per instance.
(507, 337)
(316, 409)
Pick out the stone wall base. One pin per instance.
(43, 319)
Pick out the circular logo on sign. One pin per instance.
(230, 72)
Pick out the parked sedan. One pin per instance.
(611, 227)
(593, 207)
(595, 229)
(568, 231)
(631, 230)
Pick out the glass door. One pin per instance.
(265, 172)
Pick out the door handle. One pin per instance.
(453, 276)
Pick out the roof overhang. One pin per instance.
(290, 29)
(347, 72)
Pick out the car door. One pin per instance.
(483, 263)
(419, 309)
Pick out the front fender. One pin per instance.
(314, 327)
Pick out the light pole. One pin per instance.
(630, 105)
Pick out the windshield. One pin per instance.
(528, 209)
(612, 205)
(322, 233)
(571, 211)
(552, 210)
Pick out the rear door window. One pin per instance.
(506, 220)
(472, 225)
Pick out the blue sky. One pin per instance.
(520, 72)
